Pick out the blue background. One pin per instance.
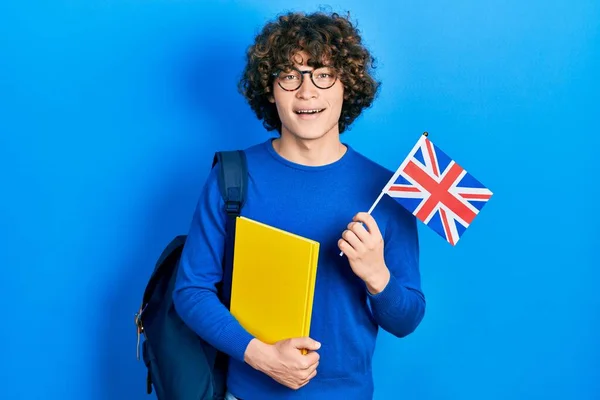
(110, 112)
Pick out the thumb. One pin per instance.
(306, 343)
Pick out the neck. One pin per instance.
(312, 152)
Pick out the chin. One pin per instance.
(310, 135)
(305, 133)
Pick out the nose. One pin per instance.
(307, 90)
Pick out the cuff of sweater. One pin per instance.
(236, 342)
(388, 297)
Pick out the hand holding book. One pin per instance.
(284, 361)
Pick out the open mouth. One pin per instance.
(309, 111)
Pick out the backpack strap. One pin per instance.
(233, 185)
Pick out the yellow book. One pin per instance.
(273, 281)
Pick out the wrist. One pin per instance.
(257, 353)
(377, 282)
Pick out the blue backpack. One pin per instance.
(180, 365)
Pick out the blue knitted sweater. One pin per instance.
(318, 203)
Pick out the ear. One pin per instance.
(271, 98)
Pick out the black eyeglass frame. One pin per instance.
(302, 73)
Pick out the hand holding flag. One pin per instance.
(437, 190)
(362, 243)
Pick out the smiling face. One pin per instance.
(308, 113)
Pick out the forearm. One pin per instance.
(200, 272)
(397, 308)
(204, 313)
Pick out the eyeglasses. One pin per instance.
(290, 80)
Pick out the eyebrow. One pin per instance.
(319, 65)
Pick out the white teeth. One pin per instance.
(309, 111)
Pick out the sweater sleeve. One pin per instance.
(400, 307)
(195, 293)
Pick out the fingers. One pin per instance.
(359, 230)
(306, 362)
(352, 239)
(306, 376)
(310, 359)
(307, 343)
(346, 248)
(355, 237)
(311, 373)
(369, 221)
(292, 368)
(306, 369)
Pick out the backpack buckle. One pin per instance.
(232, 207)
(140, 329)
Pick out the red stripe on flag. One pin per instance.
(439, 192)
(446, 226)
(403, 189)
(473, 196)
(434, 164)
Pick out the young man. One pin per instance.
(308, 78)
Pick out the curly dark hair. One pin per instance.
(328, 39)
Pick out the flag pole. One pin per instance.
(375, 203)
(393, 178)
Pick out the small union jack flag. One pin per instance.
(437, 190)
